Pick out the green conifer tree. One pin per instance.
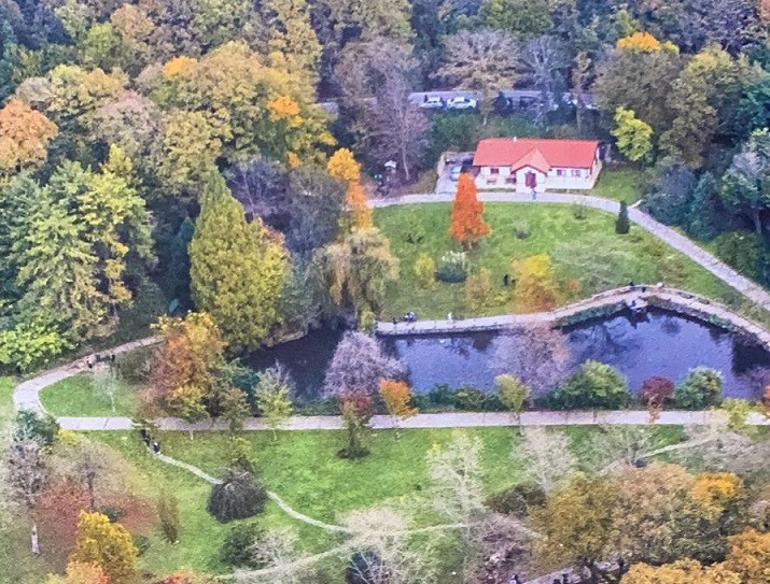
(237, 269)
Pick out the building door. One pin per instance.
(530, 180)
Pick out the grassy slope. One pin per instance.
(76, 396)
(303, 469)
(619, 183)
(553, 229)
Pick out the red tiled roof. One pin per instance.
(541, 154)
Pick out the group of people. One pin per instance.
(97, 358)
(152, 445)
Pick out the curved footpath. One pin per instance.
(676, 240)
(26, 394)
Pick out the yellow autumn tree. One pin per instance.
(536, 287)
(343, 166)
(397, 397)
(24, 136)
(715, 492)
(749, 556)
(683, 572)
(106, 544)
(360, 213)
(640, 41)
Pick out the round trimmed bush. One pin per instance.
(239, 496)
(657, 390)
(594, 385)
(701, 388)
(453, 267)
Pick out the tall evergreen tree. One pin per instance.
(237, 269)
(622, 225)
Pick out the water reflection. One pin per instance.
(658, 343)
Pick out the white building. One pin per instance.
(525, 164)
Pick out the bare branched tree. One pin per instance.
(455, 473)
(277, 550)
(545, 59)
(95, 467)
(26, 476)
(546, 456)
(538, 356)
(484, 60)
(384, 552)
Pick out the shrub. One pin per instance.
(594, 385)
(478, 290)
(700, 389)
(742, 250)
(239, 496)
(579, 211)
(471, 399)
(168, 514)
(668, 199)
(657, 390)
(453, 267)
(141, 543)
(357, 409)
(517, 500)
(520, 229)
(236, 548)
(425, 270)
(42, 428)
(134, 367)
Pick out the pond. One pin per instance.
(656, 343)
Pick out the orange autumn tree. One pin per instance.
(24, 136)
(343, 166)
(80, 573)
(397, 397)
(468, 225)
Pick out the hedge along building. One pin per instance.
(525, 164)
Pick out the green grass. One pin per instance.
(303, 469)
(621, 183)
(77, 396)
(584, 250)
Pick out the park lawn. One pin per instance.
(621, 183)
(586, 251)
(302, 467)
(77, 396)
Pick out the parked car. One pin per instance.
(462, 103)
(432, 102)
(454, 173)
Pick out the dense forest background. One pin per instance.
(125, 128)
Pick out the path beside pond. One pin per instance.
(679, 242)
(438, 420)
(640, 296)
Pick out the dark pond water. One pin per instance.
(657, 343)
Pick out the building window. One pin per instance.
(560, 172)
(576, 172)
(494, 171)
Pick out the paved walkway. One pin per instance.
(612, 300)
(25, 395)
(439, 420)
(679, 242)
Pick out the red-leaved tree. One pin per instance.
(657, 390)
(468, 225)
